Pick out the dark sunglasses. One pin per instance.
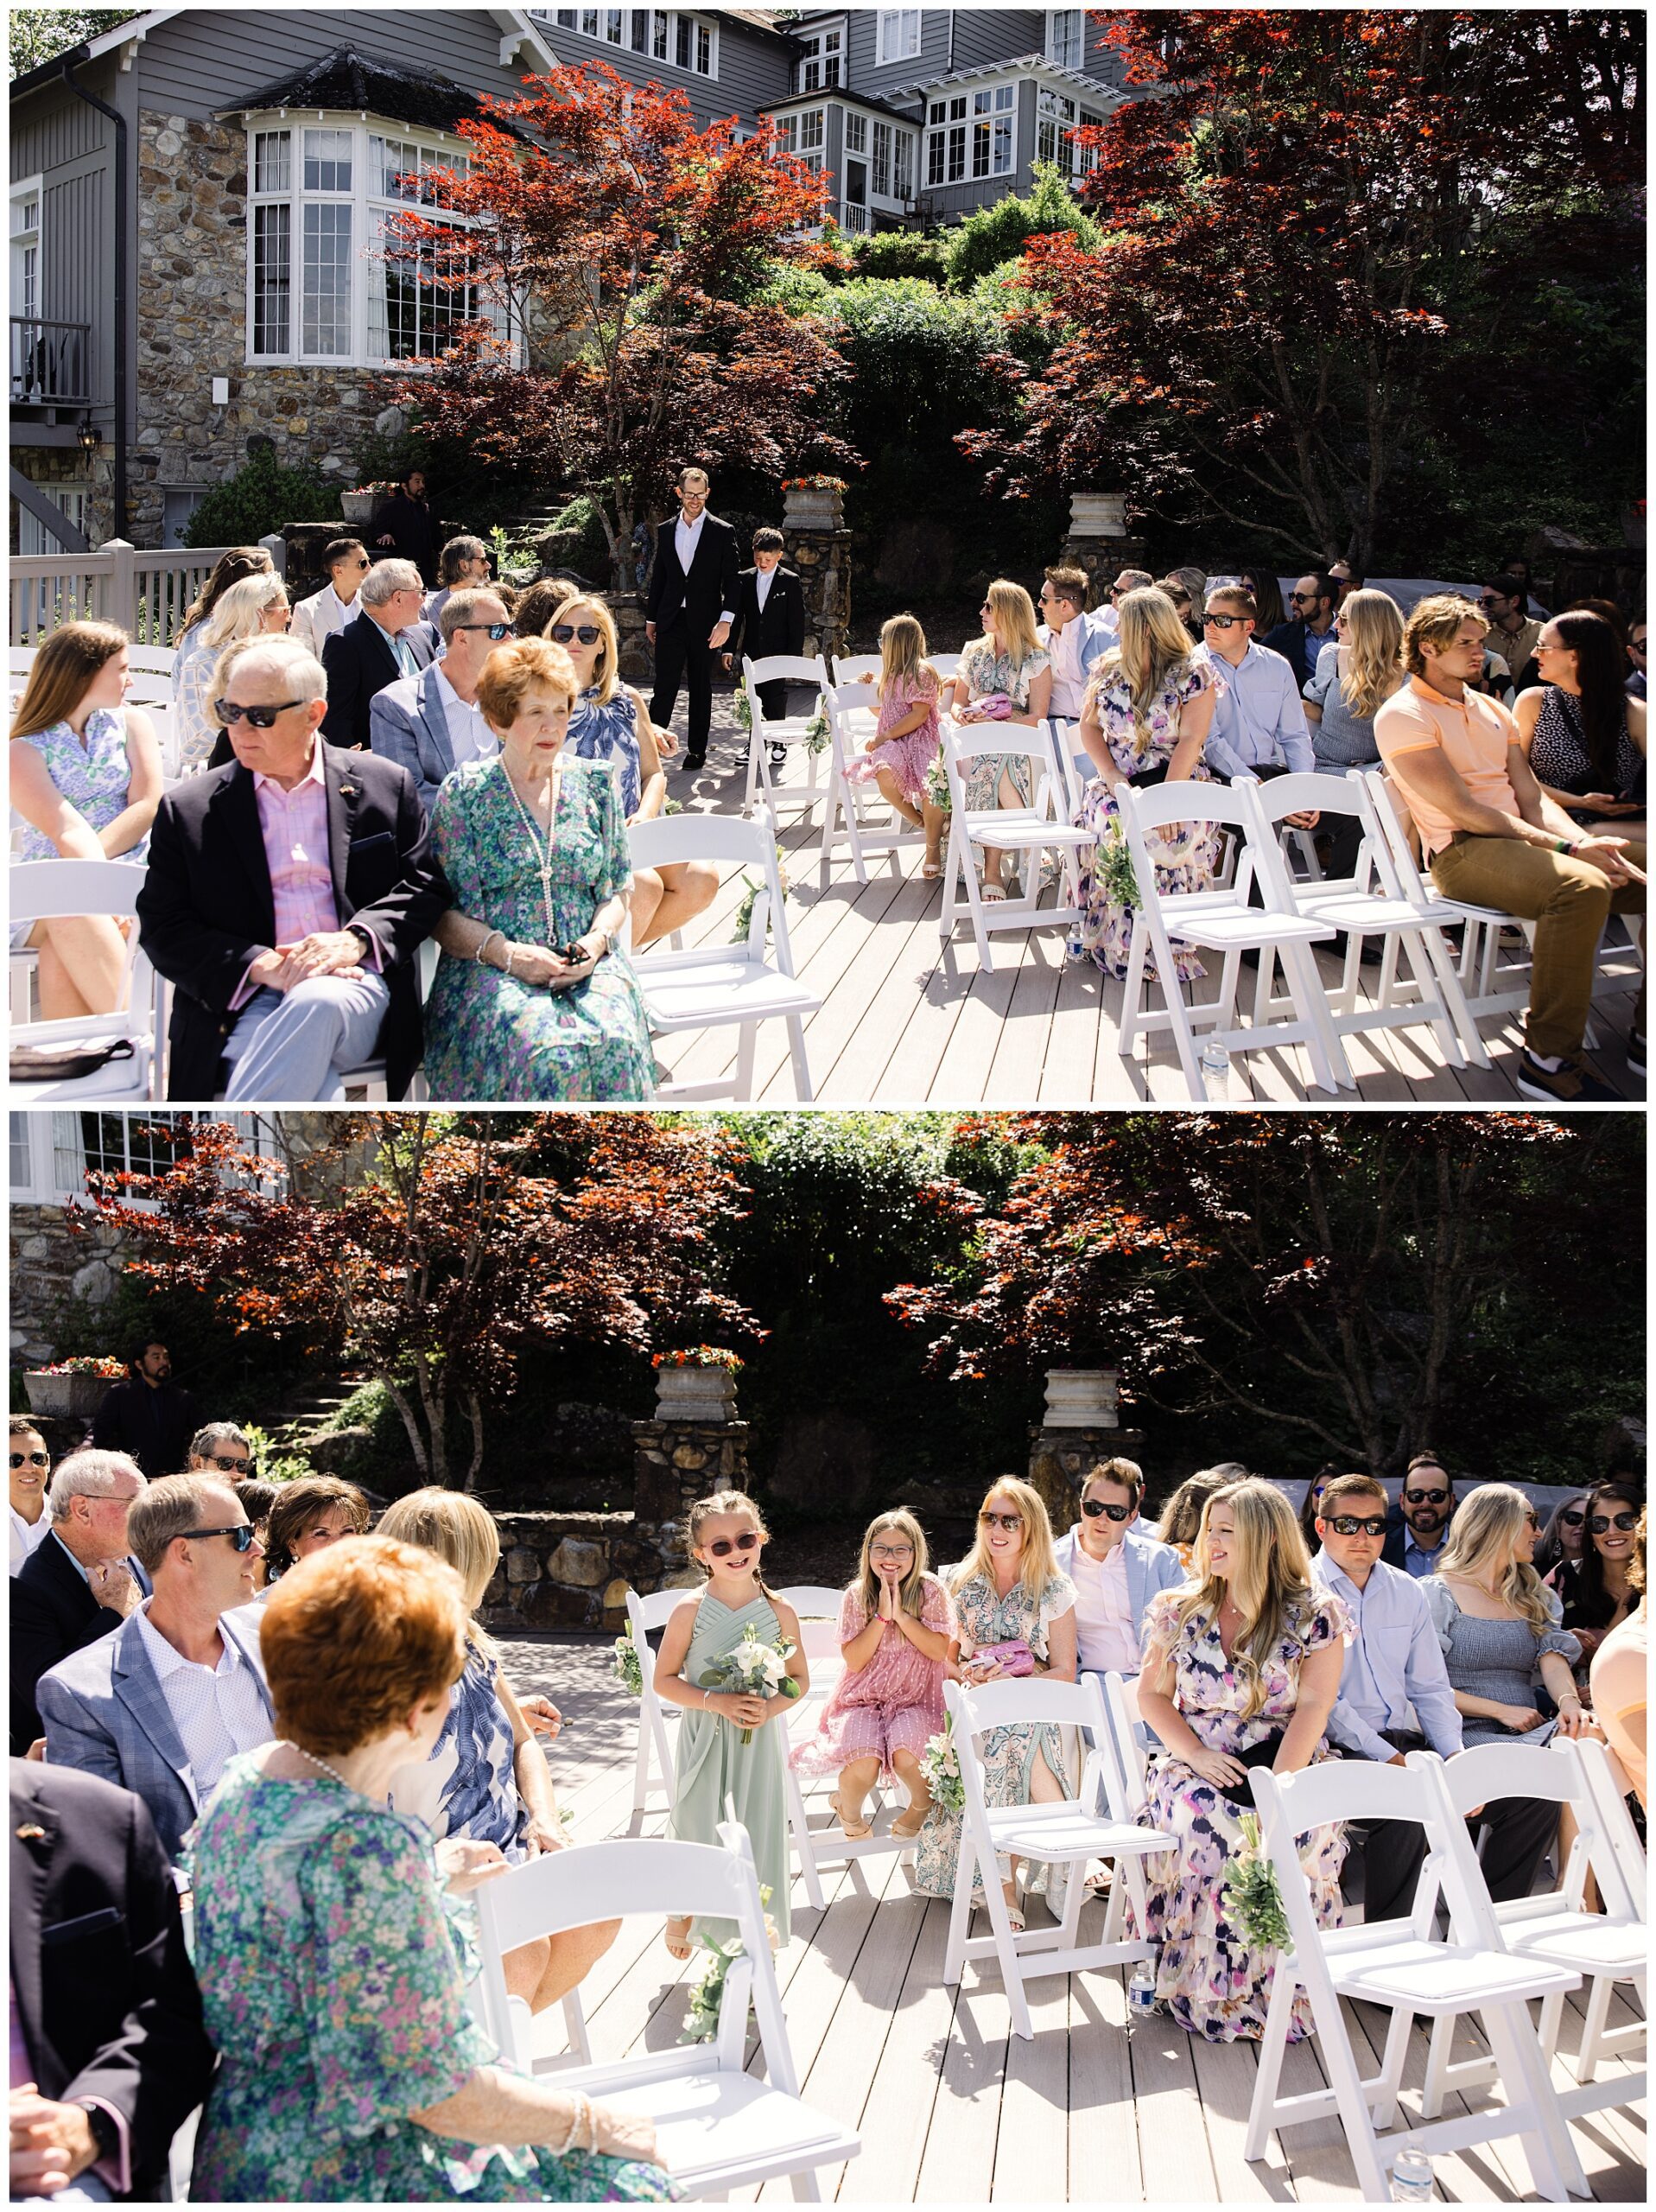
(1001, 1520)
(724, 1547)
(231, 1467)
(259, 717)
(498, 630)
(1635, 645)
(1574, 1517)
(1225, 621)
(1348, 1525)
(241, 1536)
(1425, 1497)
(1092, 1507)
(1601, 1523)
(30, 1460)
(1304, 598)
(589, 633)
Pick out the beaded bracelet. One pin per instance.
(484, 946)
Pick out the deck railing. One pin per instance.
(146, 593)
(51, 363)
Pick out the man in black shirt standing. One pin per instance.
(148, 1416)
(403, 527)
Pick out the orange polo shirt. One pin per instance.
(1474, 731)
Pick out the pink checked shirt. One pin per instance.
(294, 825)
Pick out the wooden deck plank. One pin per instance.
(1032, 2150)
(1103, 2118)
(898, 2113)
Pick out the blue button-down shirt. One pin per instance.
(1421, 1563)
(1393, 1662)
(1258, 720)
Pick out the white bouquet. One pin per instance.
(754, 1668)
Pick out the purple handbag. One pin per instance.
(1015, 1658)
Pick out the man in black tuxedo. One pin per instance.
(285, 897)
(386, 641)
(769, 619)
(404, 528)
(691, 605)
(148, 1415)
(107, 2009)
(76, 1586)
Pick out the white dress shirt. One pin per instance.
(761, 584)
(27, 1538)
(470, 737)
(687, 536)
(218, 1711)
(1105, 1633)
(1068, 685)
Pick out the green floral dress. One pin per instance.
(488, 1035)
(715, 1767)
(334, 1982)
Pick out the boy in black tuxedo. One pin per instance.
(769, 619)
(690, 607)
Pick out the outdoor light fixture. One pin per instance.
(90, 436)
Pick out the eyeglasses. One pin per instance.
(890, 1551)
(1225, 621)
(1489, 605)
(986, 608)
(1534, 1520)
(724, 1547)
(1425, 1497)
(260, 717)
(29, 1460)
(1601, 1523)
(1635, 645)
(1348, 1525)
(241, 1536)
(589, 633)
(231, 1467)
(1574, 1517)
(1001, 1520)
(1092, 1507)
(498, 630)
(1304, 598)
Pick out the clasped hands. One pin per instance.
(540, 964)
(51, 2143)
(324, 952)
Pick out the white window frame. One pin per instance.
(897, 33)
(49, 1147)
(815, 55)
(23, 242)
(369, 206)
(34, 536)
(981, 110)
(1057, 113)
(1076, 18)
(791, 136)
(662, 34)
(894, 159)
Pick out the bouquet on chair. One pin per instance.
(628, 1672)
(940, 1764)
(754, 1668)
(1252, 1897)
(707, 1991)
(744, 711)
(816, 730)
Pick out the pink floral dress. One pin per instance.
(893, 1704)
(908, 757)
(1216, 1986)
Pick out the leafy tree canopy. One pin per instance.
(990, 236)
(39, 34)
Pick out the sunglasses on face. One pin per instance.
(1602, 1524)
(241, 1536)
(29, 1460)
(1001, 1520)
(1348, 1525)
(588, 633)
(1092, 1507)
(1425, 1497)
(1635, 645)
(1574, 1517)
(724, 1547)
(1225, 621)
(260, 717)
(498, 630)
(1304, 598)
(231, 1467)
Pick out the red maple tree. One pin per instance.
(615, 255)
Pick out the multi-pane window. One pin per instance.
(52, 1153)
(970, 134)
(898, 32)
(661, 32)
(26, 252)
(1056, 117)
(892, 161)
(856, 132)
(822, 61)
(1064, 36)
(803, 134)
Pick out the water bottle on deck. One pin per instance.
(1141, 1991)
(1214, 1064)
(1411, 2178)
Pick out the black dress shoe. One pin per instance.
(692, 761)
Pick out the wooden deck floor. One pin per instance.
(951, 2106)
(906, 1023)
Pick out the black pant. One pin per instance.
(773, 699)
(1519, 1829)
(681, 658)
(1392, 1853)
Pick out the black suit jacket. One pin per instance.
(207, 908)
(413, 533)
(360, 667)
(154, 1427)
(711, 586)
(52, 1613)
(106, 1998)
(779, 626)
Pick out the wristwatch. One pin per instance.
(104, 2133)
(363, 938)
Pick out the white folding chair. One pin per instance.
(717, 985)
(1042, 826)
(1399, 1966)
(858, 815)
(1066, 1832)
(21, 660)
(1608, 1947)
(1608, 1779)
(719, 2128)
(829, 1845)
(1370, 902)
(44, 890)
(150, 660)
(643, 1615)
(948, 665)
(789, 730)
(1220, 921)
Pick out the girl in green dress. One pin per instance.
(726, 1538)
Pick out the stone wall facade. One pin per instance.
(823, 560)
(1060, 1459)
(49, 1266)
(1103, 558)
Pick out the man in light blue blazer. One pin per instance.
(431, 723)
(164, 1702)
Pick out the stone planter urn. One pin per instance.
(69, 1397)
(809, 508)
(1098, 514)
(1081, 1397)
(695, 1394)
(358, 507)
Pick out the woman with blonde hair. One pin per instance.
(232, 567)
(1004, 675)
(1354, 676)
(255, 607)
(1241, 1668)
(486, 1777)
(1146, 719)
(609, 722)
(87, 780)
(1015, 1614)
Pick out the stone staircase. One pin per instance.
(298, 1425)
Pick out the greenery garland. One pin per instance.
(1253, 1899)
(628, 1672)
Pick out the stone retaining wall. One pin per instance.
(48, 1266)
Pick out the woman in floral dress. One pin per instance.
(1148, 710)
(1008, 1590)
(534, 999)
(1248, 1652)
(1004, 675)
(334, 1975)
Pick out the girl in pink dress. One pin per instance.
(896, 1628)
(906, 740)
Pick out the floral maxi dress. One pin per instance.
(893, 1704)
(1216, 1986)
(335, 1983)
(713, 1765)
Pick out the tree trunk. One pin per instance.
(416, 1442)
(474, 1414)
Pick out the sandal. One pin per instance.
(908, 1825)
(992, 894)
(678, 1947)
(931, 871)
(853, 1830)
(1015, 1915)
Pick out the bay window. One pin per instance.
(970, 134)
(892, 175)
(1057, 117)
(804, 134)
(662, 33)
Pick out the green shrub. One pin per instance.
(258, 498)
(990, 236)
(901, 253)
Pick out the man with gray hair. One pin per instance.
(221, 1448)
(387, 641)
(77, 1586)
(286, 899)
(431, 724)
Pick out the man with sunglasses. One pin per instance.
(432, 724)
(286, 899)
(1117, 1567)
(163, 1705)
(1310, 626)
(31, 1463)
(220, 1449)
(691, 606)
(1416, 1533)
(1512, 633)
(325, 612)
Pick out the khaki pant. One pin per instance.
(1569, 900)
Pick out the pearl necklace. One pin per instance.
(543, 853)
(323, 1764)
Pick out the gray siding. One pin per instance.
(51, 128)
(754, 72)
(983, 35)
(70, 146)
(862, 46)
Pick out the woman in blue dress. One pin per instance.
(86, 778)
(611, 722)
(534, 998)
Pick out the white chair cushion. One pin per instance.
(1441, 1978)
(725, 2124)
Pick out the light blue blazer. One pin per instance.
(407, 724)
(1151, 1566)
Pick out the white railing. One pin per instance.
(146, 593)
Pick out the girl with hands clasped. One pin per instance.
(895, 1624)
(726, 1539)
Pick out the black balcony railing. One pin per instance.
(51, 363)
